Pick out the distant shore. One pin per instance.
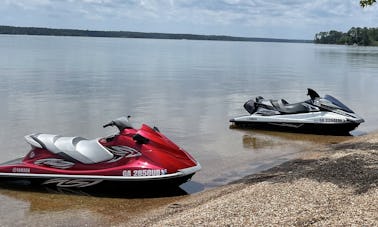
(335, 185)
(13, 30)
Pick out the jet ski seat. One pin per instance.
(285, 108)
(77, 148)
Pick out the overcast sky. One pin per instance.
(293, 19)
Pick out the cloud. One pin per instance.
(289, 18)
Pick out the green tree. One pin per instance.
(356, 35)
(365, 3)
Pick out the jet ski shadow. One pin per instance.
(107, 191)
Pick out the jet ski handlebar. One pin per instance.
(108, 124)
(121, 123)
(313, 94)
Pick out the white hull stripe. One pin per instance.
(180, 173)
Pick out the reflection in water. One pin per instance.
(80, 207)
(258, 139)
(107, 191)
(27, 203)
(254, 142)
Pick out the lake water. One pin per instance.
(189, 89)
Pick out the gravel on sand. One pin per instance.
(336, 185)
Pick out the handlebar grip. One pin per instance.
(108, 124)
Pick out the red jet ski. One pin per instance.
(134, 157)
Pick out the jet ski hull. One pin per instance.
(316, 116)
(133, 157)
(310, 128)
(14, 171)
(326, 123)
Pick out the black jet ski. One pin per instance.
(317, 115)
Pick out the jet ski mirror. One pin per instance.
(121, 123)
(140, 139)
(313, 94)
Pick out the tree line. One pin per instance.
(12, 30)
(355, 36)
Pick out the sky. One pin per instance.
(288, 19)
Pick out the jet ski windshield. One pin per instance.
(336, 102)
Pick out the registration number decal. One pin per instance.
(144, 172)
(332, 120)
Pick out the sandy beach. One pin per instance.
(332, 185)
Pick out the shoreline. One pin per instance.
(334, 185)
(17, 30)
